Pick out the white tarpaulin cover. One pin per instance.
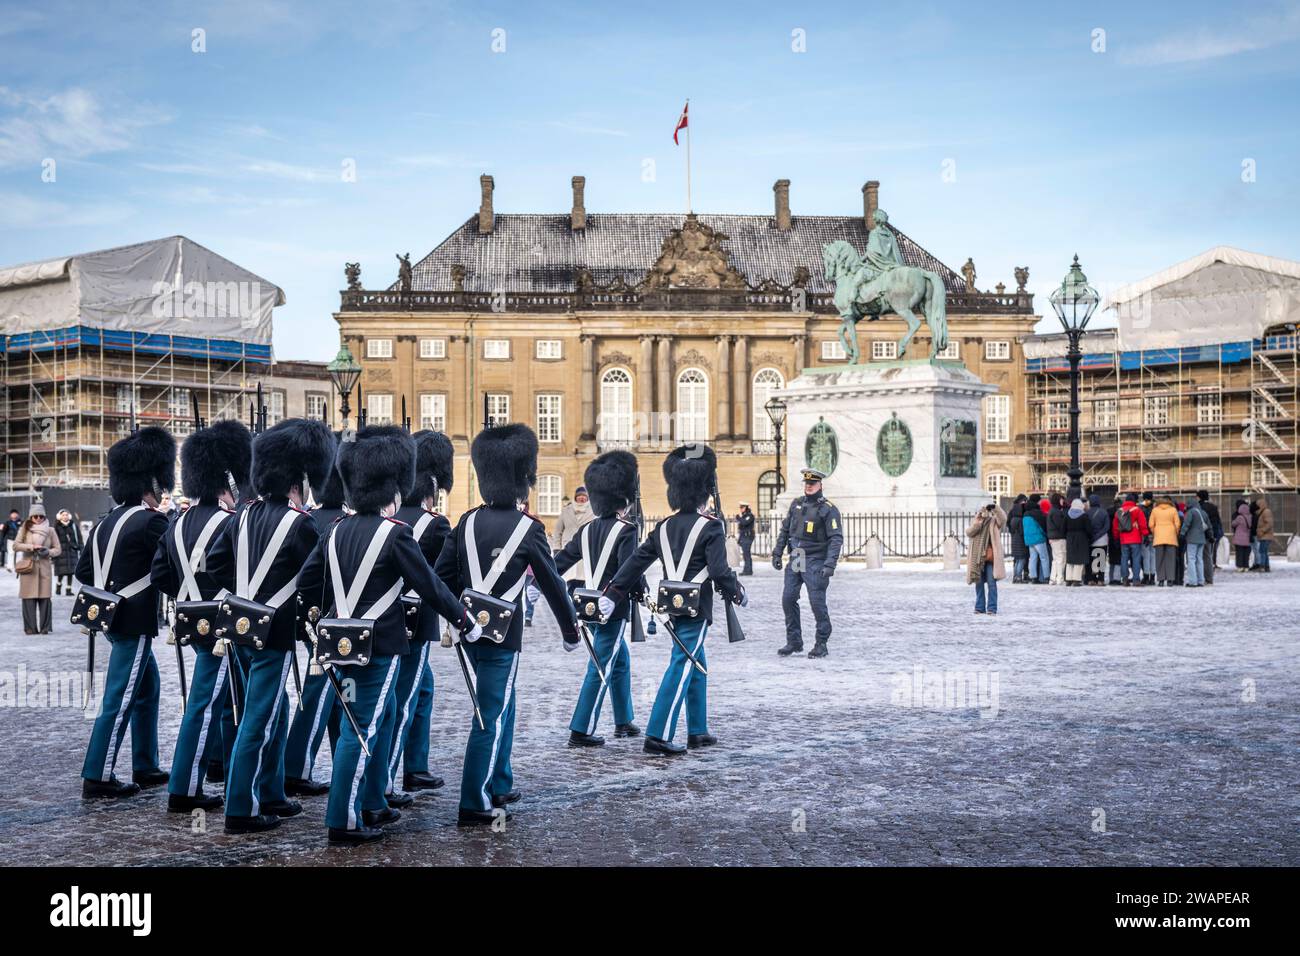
(169, 286)
(1224, 295)
(1055, 345)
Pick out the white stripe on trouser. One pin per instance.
(496, 734)
(309, 758)
(609, 669)
(118, 727)
(370, 736)
(687, 667)
(193, 788)
(270, 729)
(398, 742)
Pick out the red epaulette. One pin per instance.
(301, 511)
(397, 521)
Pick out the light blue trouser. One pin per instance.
(207, 709)
(1148, 559)
(415, 757)
(309, 726)
(1195, 573)
(989, 581)
(410, 674)
(358, 782)
(131, 688)
(487, 754)
(256, 772)
(682, 681)
(1261, 554)
(615, 664)
(1040, 561)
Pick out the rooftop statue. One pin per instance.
(878, 282)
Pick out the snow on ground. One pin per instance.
(1081, 726)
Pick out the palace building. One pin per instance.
(641, 331)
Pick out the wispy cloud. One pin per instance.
(25, 212)
(72, 124)
(1206, 43)
(274, 169)
(586, 129)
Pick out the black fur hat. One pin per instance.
(284, 453)
(690, 472)
(210, 454)
(505, 460)
(331, 494)
(610, 480)
(434, 456)
(142, 462)
(377, 467)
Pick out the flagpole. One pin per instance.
(688, 156)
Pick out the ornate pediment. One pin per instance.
(692, 357)
(692, 257)
(616, 358)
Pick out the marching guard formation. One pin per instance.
(365, 580)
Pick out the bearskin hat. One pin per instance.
(210, 454)
(285, 453)
(433, 463)
(690, 472)
(142, 462)
(611, 481)
(377, 467)
(505, 460)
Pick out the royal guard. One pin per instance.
(814, 534)
(434, 457)
(317, 715)
(215, 463)
(257, 559)
(599, 549)
(692, 548)
(114, 567)
(357, 576)
(485, 561)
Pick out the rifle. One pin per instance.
(406, 421)
(361, 410)
(171, 603)
(638, 632)
(735, 633)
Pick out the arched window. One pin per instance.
(998, 483)
(692, 405)
(768, 488)
(766, 380)
(615, 424)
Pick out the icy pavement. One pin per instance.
(1078, 727)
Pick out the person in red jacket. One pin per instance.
(1130, 526)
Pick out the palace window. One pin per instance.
(1209, 408)
(997, 351)
(766, 380)
(128, 399)
(692, 406)
(548, 417)
(1210, 478)
(178, 407)
(768, 489)
(498, 408)
(1265, 406)
(379, 409)
(997, 418)
(433, 411)
(1105, 412)
(549, 349)
(881, 351)
(1157, 479)
(616, 423)
(275, 400)
(318, 406)
(548, 494)
(379, 348)
(1058, 416)
(433, 348)
(951, 351)
(997, 483)
(1155, 410)
(833, 350)
(496, 348)
(1262, 477)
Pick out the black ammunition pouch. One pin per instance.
(490, 613)
(344, 641)
(678, 598)
(247, 623)
(586, 601)
(196, 622)
(95, 608)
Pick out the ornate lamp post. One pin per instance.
(775, 409)
(344, 373)
(1074, 303)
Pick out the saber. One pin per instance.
(297, 676)
(591, 651)
(347, 711)
(180, 664)
(88, 691)
(236, 678)
(469, 683)
(672, 631)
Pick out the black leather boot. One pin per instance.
(399, 800)
(502, 799)
(696, 741)
(380, 818)
(283, 808)
(653, 745)
(263, 821)
(421, 780)
(297, 787)
(151, 778)
(627, 730)
(585, 740)
(477, 818)
(112, 788)
(819, 650)
(791, 647)
(355, 837)
(179, 803)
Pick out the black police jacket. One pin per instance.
(814, 525)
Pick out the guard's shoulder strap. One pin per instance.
(594, 574)
(103, 566)
(345, 599)
(247, 587)
(676, 569)
(480, 582)
(191, 560)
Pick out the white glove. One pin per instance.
(606, 606)
(534, 594)
(473, 634)
(744, 598)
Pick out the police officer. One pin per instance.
(505, 461)
(359, 571)
(812, 530)
(214, 466)
(117, 558)
(434, 457)
(275, 536)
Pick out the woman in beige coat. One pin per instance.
(38, 544)
(984, 567)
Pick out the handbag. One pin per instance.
(195, 618)
(676, 596)
(586, 600)
(95, 606)
(345, 640)
(24, 563)
(490, 612)
(241, 619)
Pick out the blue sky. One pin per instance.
(1132, 156)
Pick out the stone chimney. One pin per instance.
(578, 216)
(870, 201)
(782, 190)
(485, 215)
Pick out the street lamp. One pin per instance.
(775, 409)
(344, 373)
(1074, 303)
